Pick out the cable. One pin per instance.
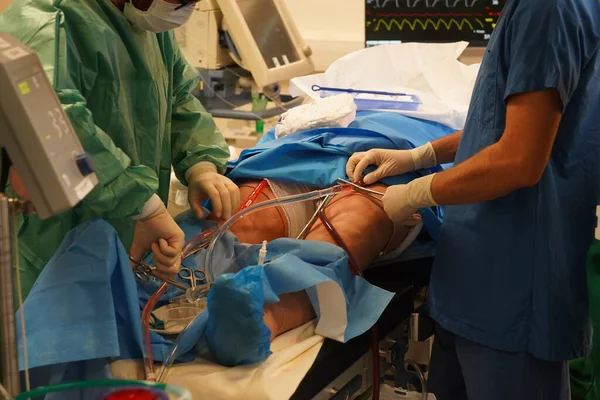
(20, 298)
(4, 394)
(420, 375)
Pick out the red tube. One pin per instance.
(356, 270)
(208, 234)
(253, 196)
(147, 346)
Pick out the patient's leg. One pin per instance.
(355, 217)
(361, 223)
(359, 220)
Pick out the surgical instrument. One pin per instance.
(314, 217)
(144, 271)
(193, 276)
(262, 253)
(317, 88)
(371, 193)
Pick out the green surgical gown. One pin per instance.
(128, 95)
(585, 372)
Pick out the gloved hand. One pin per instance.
(17, 185)
(204, 181)
(389, 163)
(156, 230)
(401, 202)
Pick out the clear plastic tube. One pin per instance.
(201, 241)
(145, 322)
(314, 195)
(317, 194)
(420, 375)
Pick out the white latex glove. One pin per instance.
(389, 163)
(156, 230)
(401, 202)
(204, 181)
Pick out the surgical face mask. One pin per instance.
(161, 16)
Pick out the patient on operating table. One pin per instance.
(359, 219)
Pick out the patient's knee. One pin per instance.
(361, 223)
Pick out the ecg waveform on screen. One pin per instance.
(425, 24)
(426, 3)
(391, 21)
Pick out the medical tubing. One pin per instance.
(317, 194)
(209, 233)
(314, 195)
(147, 345)
(420, 375)
(15, 234)
(4, 394)
(357, 271)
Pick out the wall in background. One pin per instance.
(334, 28)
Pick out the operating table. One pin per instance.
(342, 370)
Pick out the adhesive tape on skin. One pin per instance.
(181, 197)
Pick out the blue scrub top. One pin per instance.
(510, 273)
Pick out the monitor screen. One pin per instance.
(269, 32)
(434, 21)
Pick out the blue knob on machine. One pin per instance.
(84, 164)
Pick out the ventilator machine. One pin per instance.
(244, 48)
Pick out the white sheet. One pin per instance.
(431, 71)
(275, 379)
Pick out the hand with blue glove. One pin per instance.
(205, 182)
(156, 230)
(401, 202)
(389, 163)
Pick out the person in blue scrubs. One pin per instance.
(508, 287)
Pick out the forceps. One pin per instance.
(368, 192)
(193, 276)
(314, 217)
(144, 271)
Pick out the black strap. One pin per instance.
(5, 168)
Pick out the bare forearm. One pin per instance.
(488, 175)
(445, 148)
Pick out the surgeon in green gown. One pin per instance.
(585, 372)
(126, 88)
